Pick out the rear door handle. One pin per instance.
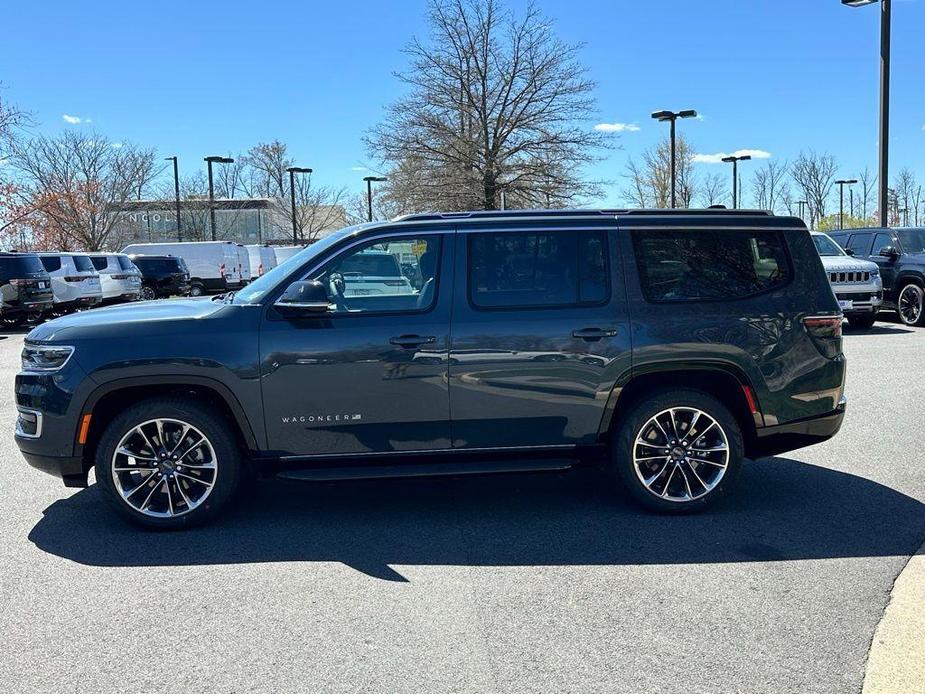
(409, 341)
(593, 334)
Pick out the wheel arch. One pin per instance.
(909, 277)
(726, 382)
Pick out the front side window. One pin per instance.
(859, 244)
(882, 242)
(383, 276)
(99, 262)
(538, 269)
(913, 240)
(709, 265)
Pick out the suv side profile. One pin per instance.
(665, 346)
(25, 289)
(162, 276)
(900, 255)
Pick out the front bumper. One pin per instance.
(790, 436)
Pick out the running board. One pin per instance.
(328, 474)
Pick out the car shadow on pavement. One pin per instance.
(782, 510)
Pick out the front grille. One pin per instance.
(840, 277)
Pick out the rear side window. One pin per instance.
(83, 263)
(537, 269)
(52, 263)
(98, 262)
(12, 267)
(709, 265)
(859, 244)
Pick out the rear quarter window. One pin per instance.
(98, 263)
(83, 263)
(52, 263)
(713, 265)
(12, 267)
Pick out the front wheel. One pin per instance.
(148, 294)
(197, 290)
(678, 451)
(168, 463)
(910, 305)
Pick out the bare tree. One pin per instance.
(77, 178)
(11, 120)
(814, 174)
(714, 189)
(495, 102)
(650, 182)
(868, 181)
(905, 186)
(767, 184)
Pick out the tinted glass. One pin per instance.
(52, 263)
(859, 243)
(565, 268)
(913, 240)
(384, 276)
(82, 263)
(882, 241)
(18, 266)
(159, 266)
(825, 246)
(704, 265)
(99, 262)
(125, 262)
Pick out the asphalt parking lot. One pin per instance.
(505, 584)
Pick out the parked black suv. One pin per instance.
(667, 345)
(162, 276)
(900, 253)
(25, 288)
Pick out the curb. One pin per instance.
(896, 662)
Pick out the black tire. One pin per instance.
(147, 293)
(212, 425)
(197, 290)
(865, 322)
(634, 424)
(11, 322)
(910, 304)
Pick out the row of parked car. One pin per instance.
(36, 285)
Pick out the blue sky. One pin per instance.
(196, 78)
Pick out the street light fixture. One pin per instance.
(802, 204)
(369, 192)
(293, 170)
(210, 161)
(176, 193)
(885, 24)
(671, 117)
(841, 199)
(734, 160)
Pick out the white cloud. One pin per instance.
(719, 156)
(117, 145)
(358, 168)
(616, 127)
(73, 120)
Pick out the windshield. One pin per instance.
(826, 247)
(913, 240)
(259, 288)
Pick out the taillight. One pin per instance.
(826, 333)
(74, 279)
(23, 283)
(260, 270)
(221, 269)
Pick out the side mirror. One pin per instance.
(849, 251)
(305, 297)
(888, 252)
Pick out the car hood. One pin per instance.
(129, 320)
(845, 263)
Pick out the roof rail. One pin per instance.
(495, 214)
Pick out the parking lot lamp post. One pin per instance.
(209, 161)
(841, 199)
(883, 200)
(734, 160)
(802, 204)
(369, 193)
(176, 193)
(293, 170)
(671, 117)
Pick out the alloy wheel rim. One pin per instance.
(910, 304)
(681, 454)
(164, 468)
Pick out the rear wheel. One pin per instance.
(862, 322)
(148, 293)
(910, 305)
(197, 290)
(678, 451)
(168, 463)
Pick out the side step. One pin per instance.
(328, 474)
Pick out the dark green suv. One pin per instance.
(663, 346)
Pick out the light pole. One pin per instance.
(841, 199)
(802, 204)
(671, 117)
(885, 24)
(210, 161)
(176, 193)
(734, 160)
(293, 170)
(369, 193)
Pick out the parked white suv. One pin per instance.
(856, 283)
(372, 273)
(75, 283)
(120, 280)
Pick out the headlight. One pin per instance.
(875, 272)
(45, 357)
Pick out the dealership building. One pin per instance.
(242, 220)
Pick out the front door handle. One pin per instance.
(593, 334)
(410, 341)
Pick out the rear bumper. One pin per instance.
(782, 438)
